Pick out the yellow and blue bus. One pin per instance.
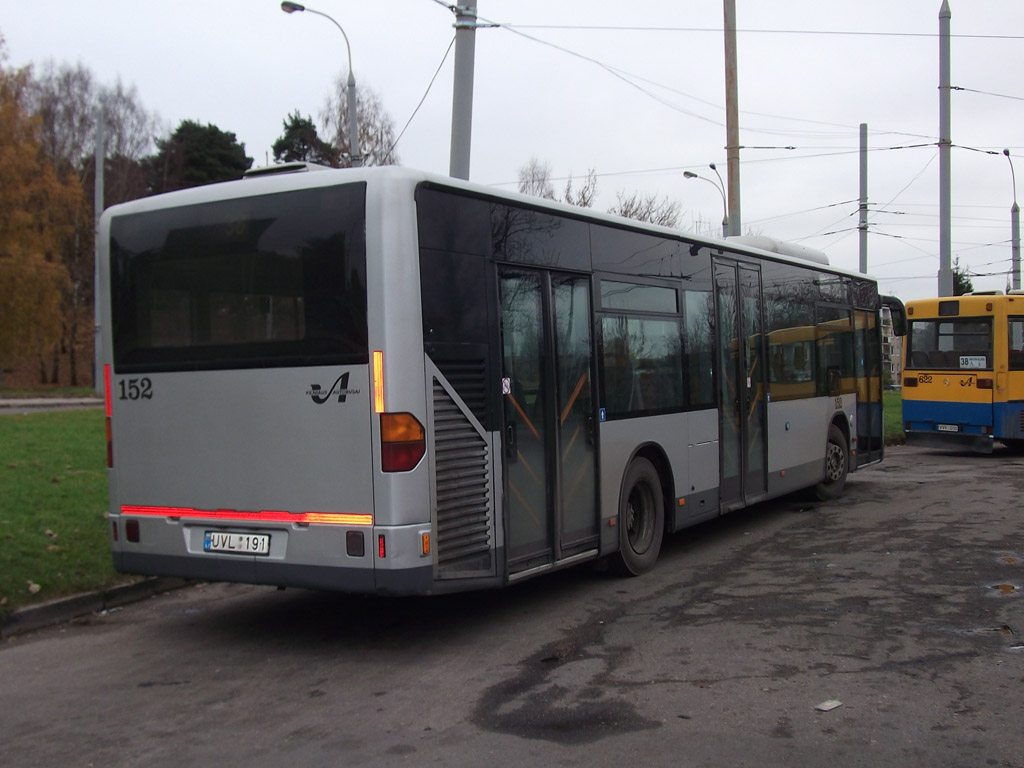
(963, 372)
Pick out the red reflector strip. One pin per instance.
(266, 516)
(106, 389)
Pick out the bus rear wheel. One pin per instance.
(837, 465)
(641, 519)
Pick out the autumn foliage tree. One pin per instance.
(38, 208)
(66, 99)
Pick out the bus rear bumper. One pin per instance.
(951, 441)
(406, 581)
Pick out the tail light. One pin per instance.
(984, 383)
(402, 442)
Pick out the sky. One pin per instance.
(634, 91)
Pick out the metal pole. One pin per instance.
(720, 188)
(1014, 227)
(353, 121)
(862, 227)
(97, 344)
(945, 143)
(355, 156)
(462, 96)
(1015, 238)
(732, 118)
(725, 207)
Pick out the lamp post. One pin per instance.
(1014, 227)
(721, 191)
(353, 121)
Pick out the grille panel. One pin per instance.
(468, 378)
(462, 490)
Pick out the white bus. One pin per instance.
(377, 380)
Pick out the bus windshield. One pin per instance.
(950, 344)
(253, 282)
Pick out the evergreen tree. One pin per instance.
(195, 155)
(961, 281)
(301, 143)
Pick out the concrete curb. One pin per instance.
(50, 402)
(68, 608)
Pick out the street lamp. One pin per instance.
(353, 122)
(1014, 227)
(721, 191)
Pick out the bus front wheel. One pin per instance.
(837, 465)
(641, 519)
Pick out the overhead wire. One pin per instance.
(634, 80)
(720, 30)
(424, 97)
(630, 78)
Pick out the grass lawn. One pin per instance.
(892, 409)
(53, 534)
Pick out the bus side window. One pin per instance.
(1016, 356)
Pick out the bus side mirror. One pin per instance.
(897, 314)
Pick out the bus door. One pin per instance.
(741, 384)
(867, 368)
(547, 383)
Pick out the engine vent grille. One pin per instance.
(463, 490)
(468, 378)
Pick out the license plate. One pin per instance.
(947, 427)
(237, 543)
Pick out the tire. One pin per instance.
(837, 466)
(641, 519)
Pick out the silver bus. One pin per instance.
(377, 380)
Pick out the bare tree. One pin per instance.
(128, 127)
(649, 208)
(376, 128)
(584, 196)
(128, 137)
(535, 180)
(64, 97)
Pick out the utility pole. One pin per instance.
(1014, 228)
(462, 96)
(945, 144)
(862, 227)
(1015, 236)
(732, 118)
